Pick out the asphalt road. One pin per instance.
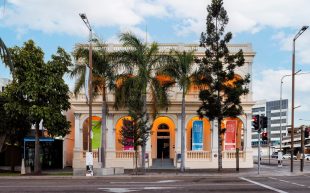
(163, 184)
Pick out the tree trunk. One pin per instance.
(136, 161)
(220, 167)
(182, 168)
(103, 129)
(37, 165)
(143, 148)
(2, 140)
(12, 157)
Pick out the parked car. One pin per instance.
(307, 156)
(274, 155)
(288, 156)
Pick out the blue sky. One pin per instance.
(269, 25)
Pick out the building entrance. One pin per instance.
(163, 144)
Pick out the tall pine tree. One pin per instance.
(221, 99)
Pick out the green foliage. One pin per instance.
(221, 96)
(14, 128)
(217, 68)
(38, 90)
(137, 127)
(5, 55)
(141, 61)
(104, 70)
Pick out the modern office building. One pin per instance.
(271, 109)
(165, 141)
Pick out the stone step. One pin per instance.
(162, 164)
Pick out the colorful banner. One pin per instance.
(197, 135)
(128, 147)
(230, 135)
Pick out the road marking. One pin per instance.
(118, 190)
(285, 181)
(124, 190)
(158, 182)
(297, 184)
(263, 185)
(272, 178)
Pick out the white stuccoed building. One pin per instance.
(165, 141)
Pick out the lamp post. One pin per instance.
(85, 20)
(304, 28)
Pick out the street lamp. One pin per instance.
(85, 20)
(304, 28)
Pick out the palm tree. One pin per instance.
(5, 55)
(142, 61)
(103, 77)
(181, 69)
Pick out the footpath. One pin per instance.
(265, 171)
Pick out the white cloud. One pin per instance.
(59, 16)
(268, 87)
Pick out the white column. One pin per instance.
(214, 130)
(110, 133)
(77, 142)
(248, 132)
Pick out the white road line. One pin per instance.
(285, 181)
(158, 182)
(272, 178)
(118, 190)
(263, 185)
(124, 190)
(297, 184)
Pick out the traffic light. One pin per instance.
(264, 122)
(255, 122)
(264, 136)
(307, 132)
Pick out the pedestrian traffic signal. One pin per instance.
(264, 136)
(264, 122)
(255, 122)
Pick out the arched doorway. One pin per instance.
(119, 124)
(96, 132)
(163, 138)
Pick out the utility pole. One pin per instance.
(302, 160)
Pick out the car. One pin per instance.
(307, 156)
(274, 155)
(288, 156)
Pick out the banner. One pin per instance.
(230, 135)
(86, 83)
(197, 135)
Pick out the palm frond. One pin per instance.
(6, 56)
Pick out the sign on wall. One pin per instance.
(197, 135)
(230, 135)
(89, 164)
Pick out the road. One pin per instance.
(164, 184)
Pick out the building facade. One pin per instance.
(165, 141)
(271, 109)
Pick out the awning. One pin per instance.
(43, 139)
